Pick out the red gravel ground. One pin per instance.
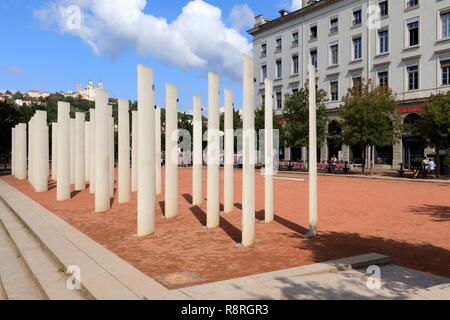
(410, 222)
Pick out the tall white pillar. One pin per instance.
(269, 154)
(80, 169)
(171, 194)
(41, 155)
(124, 152)
(102, 169)
(248, 179)
(13, 151)
(112, 172)
(197, 193)
(134, 150)
(213, 183)
(158, 150)
(146, 152)
(63, 152)
(229, 154)
(47, 152)
(312, 154)
(72, 151)
(54, 151)
(22, 151)
(87, 151)
(31, 149)
(92, 153)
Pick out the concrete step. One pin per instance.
(48, 276)
(16, 281)
(104, 275)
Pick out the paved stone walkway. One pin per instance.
(107, 276)
(396, 283)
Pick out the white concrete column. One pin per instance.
(397, 152)
(41, 155)
(213, 183)
(54, 151)
(22, 151)
(248, 179)
(47, 152)
(197, 193)
(228, 189)
(312, 154)
(171, 194)
(31, 144)
(134, 150)
(80, 169)
(158, 150)
(72, 151)
(63, 152)
(92, 153)
(112, 171)
(102, 170)
(146, 152)
(87, 151)
(269, 154)
(124, 152)
(16, 149)
(346, 152)
(13, 151)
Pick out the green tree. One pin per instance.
(10, 115)
(370, 117)
(434, 124)
(237, 120)
(296, 114)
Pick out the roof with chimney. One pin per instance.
(263, 24)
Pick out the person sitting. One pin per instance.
(416, 167)
(333, 162)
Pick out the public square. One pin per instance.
(404, 220)
(211, 150)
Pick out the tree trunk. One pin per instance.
(372, 152)
(438, 163)
(364, 148)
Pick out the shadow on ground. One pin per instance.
(422, 257)
(437, 213)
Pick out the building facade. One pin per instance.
(88, 92)
(401, 43)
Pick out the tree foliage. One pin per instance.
(296, 115)
(370, 116)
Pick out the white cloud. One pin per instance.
(13, 71)
(242, 16)
(296, 4)
(197, 38)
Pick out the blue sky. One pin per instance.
(39, 55)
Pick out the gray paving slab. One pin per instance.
(396, 283)
(15, 280)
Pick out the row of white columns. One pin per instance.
(84, 152)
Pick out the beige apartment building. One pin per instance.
(401, 43)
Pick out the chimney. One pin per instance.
(306, 3)
(283, 12)
(259, 20)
